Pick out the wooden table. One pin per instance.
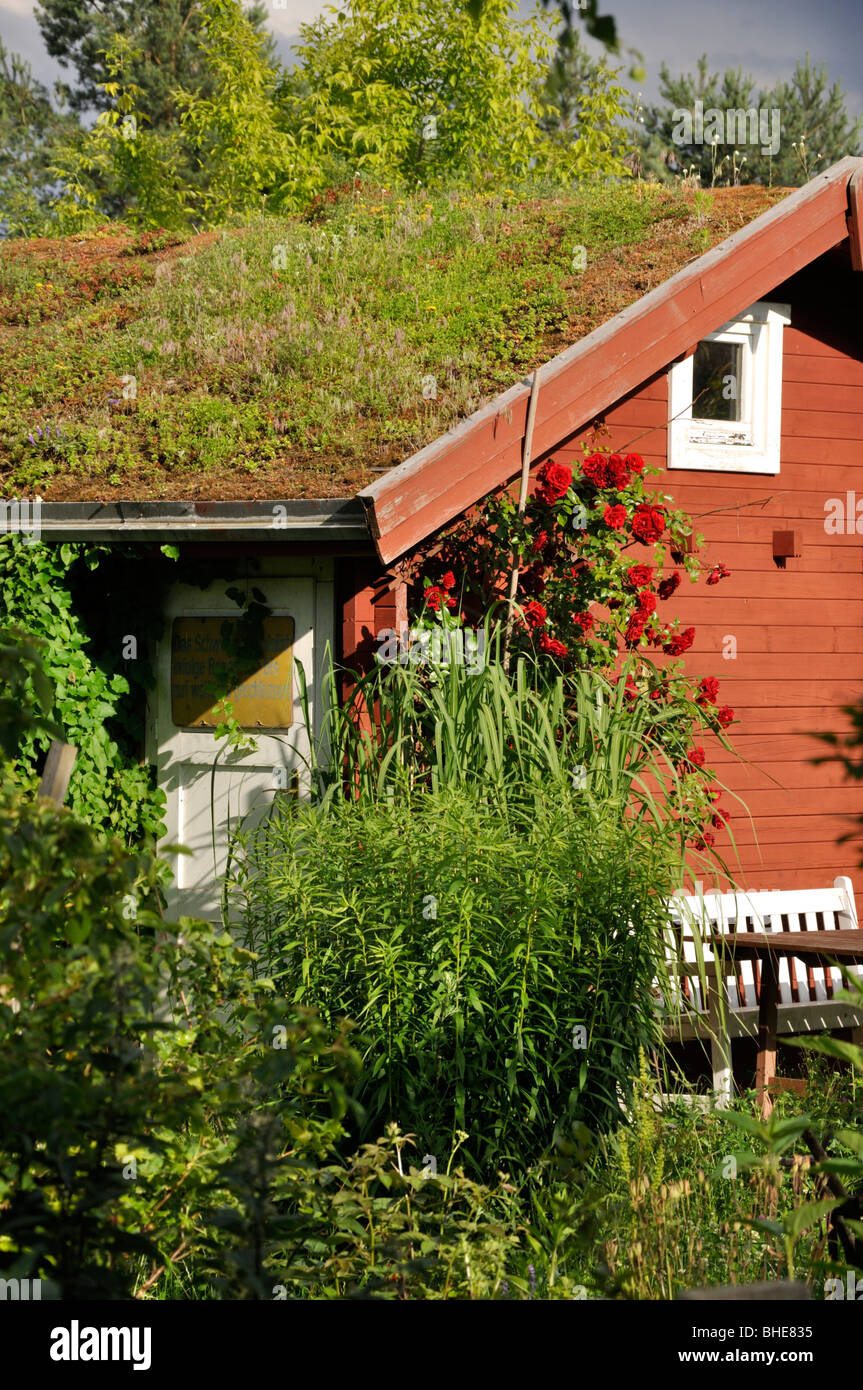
(821, 948)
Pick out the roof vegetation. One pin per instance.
(298, 355)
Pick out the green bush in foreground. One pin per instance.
(498, 961)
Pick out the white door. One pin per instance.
(211, 791)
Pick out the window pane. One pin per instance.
(717, 381)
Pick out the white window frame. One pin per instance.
(752, 443)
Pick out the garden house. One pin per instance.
(770, 472)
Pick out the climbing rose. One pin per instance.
(618, 474)
(595, 469)
(585, 621)
(634, 462)
(725, 715)
(648, 524)
(696, 756)
(717, 573)
(669, 586)
(637, 576)
(720, 818)
(708, 691)
(615, 517)
(705, 841)
(680, 642)
(435, 596)
(540, 542)
(448, 581)
(634, 630)
(551, 646)
(554, 482)
(534, 613)
(646, 603)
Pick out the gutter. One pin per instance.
(333, 519)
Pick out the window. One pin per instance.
(725, 399)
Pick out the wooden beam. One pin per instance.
(855, 218)
(58, 769)
(484, 451)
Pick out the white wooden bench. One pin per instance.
(807, 994)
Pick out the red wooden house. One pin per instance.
(769, 479)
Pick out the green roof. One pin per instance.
(299, 357)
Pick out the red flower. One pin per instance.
(695, 756)
(595, 469)
(534, 614)
(435, 596)
(669, 586)
(554, 482)
(630, 689)
(634, 630)
(725, 715)
(680, 642)
(637, 576)
(648, 524)
(646, 603)
(618, 474)
(615, 517)
(448, 581)
(551, 646)
(705, 840)
(585, 621)
(720, 819)
(634, 462)
(708, 691)
(717, 573)
(540, 542)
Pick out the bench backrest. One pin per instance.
(808, 909)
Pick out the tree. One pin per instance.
(809, 118)
(427, 89)
(30, 130)
(163, 33)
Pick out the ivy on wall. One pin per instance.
(98, 611)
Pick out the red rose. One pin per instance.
(554, 482)
(717, 573)
(435, 596)
(540, 542)
(634, 462)
(615, 517)
(634, 630)
(618, 474)
(646, 603)
(534, 614)
(630, 689)
(637, 576)
(695, 756)
(669, 586)
(648, 524)
(551, 646)
(448, 581)
(725, 715)
(708, 691)
(705, 840)
(680, 642)
(595, 469)
(585, 621)
(720, 819)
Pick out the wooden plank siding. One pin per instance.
(799, 628)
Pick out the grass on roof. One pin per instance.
(296, 357)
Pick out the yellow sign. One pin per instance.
(262, 697)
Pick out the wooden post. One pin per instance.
(527, 448)
(720, 1043)
(768, 1009)
(58, 769)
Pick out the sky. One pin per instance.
(764, 37)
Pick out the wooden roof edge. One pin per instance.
(391, 500)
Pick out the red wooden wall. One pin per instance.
(799, 629)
